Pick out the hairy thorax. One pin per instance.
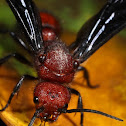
(57, 64)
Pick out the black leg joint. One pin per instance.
(86, 76)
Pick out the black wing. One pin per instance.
(28, 17)
(99, 29)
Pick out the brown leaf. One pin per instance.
(106, 68)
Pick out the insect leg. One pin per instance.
(16, 89)
(86, 76)
(16, 38)
(17, 56)
(35, 116)
(80, 104)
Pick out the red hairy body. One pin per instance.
(58, 66)
(55, 67)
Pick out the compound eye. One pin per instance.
(42, 58)
(36, 100)
(76, 64)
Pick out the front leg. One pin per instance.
(16, 89)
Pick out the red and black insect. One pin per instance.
(52, 59)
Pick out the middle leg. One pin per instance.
(86, 76)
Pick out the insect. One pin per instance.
(52, 59)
